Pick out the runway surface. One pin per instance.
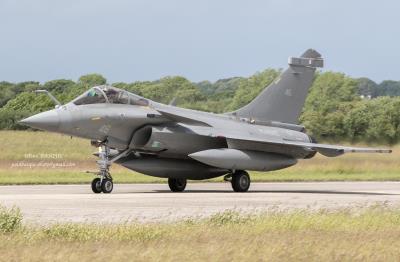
(154, 202)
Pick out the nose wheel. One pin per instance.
(102, 186)
(96, 185)
(107, 185)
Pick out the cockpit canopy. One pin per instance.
(109, 94)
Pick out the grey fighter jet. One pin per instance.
(180, 144)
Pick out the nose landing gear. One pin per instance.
(104, 183)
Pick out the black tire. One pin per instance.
(107, 186)
(177, 184)
(240, 181)
(96, 185)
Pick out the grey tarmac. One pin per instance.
(45, 204)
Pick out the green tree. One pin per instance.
(367, 87)
(59, 85)
(250, 87)
(389, 88)
(329, 100)
(384, 120)
(92, 80)
(6, 92)
(356, 121)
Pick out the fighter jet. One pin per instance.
(182, 144)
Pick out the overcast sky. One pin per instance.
(130, 40)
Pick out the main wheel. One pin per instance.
(107, 185)
(96, 185)
(177, 184)
(240, 181)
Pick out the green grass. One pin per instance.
(16, 145)
(48, 148)
(20, 177)
(344, 235)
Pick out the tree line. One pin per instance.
(338, 107)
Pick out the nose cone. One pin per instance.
(49, 120)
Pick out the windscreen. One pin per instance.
(118, 96)
(93, 96)
(109, 94)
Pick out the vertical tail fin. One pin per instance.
(283, 100)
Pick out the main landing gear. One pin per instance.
(104, 183)
(240, 180)
(177, 184)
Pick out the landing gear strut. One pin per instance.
(177, 184)
(240, 181)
